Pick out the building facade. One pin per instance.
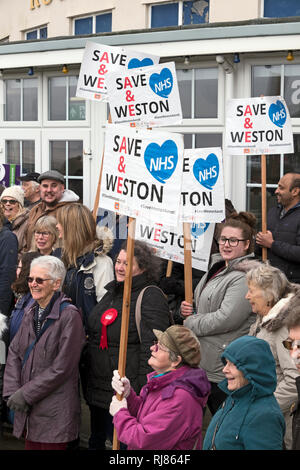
(222, 50)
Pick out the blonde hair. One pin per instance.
(47, 222)
(79, 232)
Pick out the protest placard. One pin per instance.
(99, 60)
(256, 126)
(142, 173)
(202, 191)
(9, 174)
(168, 242)
(148, 96)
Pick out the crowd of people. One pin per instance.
(233, 353)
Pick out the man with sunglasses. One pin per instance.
(53, 196)
(292, 343)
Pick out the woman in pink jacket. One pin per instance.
(169, 410)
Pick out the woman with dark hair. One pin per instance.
(22, 292)
(104, 326)
(220, 312)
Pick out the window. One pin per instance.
(40, 33)
(63, 103)
(21, 98)
(281, 8)
(198, 89)
(274, 80)
(203, 140)
(66, 156)
(179, 13)
(21, 152)
(93, 24)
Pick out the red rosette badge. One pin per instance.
(107, 318)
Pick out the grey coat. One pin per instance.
(222, 312)
(272, 329)
(49, 378)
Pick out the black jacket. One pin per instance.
(296, 420)
(285, 250)
(8, 266)
(102, 362)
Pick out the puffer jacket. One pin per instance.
(8, 264)
(100, 363)
(222, 312)
(168, 413)
(271, 328)
(49, 377)
(250, 418)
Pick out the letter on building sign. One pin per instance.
(34, 3)
(46, 2)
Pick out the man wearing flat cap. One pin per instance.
(31, 188)
(53, 196)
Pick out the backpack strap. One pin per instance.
(47, 323)
(138, 309)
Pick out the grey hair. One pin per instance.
(272, 281)
(35, 184)
(54, 266)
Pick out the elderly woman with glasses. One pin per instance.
(168, 412)
(220, 312)
(41, 373)
(272, 297)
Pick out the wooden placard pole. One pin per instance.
(188, 281)
(169, 268)
(125, 312)
(97, 197)
(264, 202)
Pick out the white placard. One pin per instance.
(142, 173)
(257, 126)
(148, 96)
(99, 60)
(169, 242)
(202, 192)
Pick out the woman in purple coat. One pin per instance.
(167, 415)
(41, 372)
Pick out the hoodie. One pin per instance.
(168, 413)
(250, 417)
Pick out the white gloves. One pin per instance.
(120, 385)
(116, 405)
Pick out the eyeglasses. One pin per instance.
(290, 344)
(10, 201)
(158, 346)
(231, 241)
(38, 280)
(42, 234)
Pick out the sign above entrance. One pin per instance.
(258, 126)
(36, 3)
(99, 60)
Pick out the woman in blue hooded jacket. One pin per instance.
(250, 418)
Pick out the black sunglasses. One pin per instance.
(10, 201)
(290, 344)
(38, 280)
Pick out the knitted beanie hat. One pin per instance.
(15, 192)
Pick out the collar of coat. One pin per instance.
(276, 317)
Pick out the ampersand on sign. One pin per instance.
(248, 124)
(121, 166)
(102, 69)
(129, 96)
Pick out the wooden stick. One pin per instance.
(125, 312)
(188, 281)
(169, 268)
(97, 197)
(264, 202)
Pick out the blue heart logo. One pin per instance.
(277, 113)
(161, 161)
(197, 230)
(207, 171)
(162, 83)
(136, 63)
